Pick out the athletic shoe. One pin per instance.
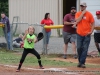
(41, 67)
(79, 65)
(83, 66)
(17, 70)
(65, 56)
(75, 56)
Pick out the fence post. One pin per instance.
(11, 36)
(5, 33)
(44, 41)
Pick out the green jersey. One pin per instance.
(29, 41)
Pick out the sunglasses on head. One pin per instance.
(82, 6)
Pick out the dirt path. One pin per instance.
(6, 70)
(89, 60)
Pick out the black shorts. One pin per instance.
(97, 37)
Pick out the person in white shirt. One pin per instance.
(97, 31)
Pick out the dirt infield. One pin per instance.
(4, 70)
(11, 70)
(89, 60)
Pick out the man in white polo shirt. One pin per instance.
(97, 32)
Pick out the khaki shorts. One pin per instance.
(69, 37)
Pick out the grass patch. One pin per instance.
(1, 32)
(8, 57)
(12, 58)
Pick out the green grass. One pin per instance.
(1, 32)
(13, 58)
(8, 57)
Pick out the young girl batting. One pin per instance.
(29, 40)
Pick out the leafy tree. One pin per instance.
(4, 7)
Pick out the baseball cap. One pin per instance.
(97, 12)
(83, 4)
(73, 8)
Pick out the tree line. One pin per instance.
(4, 7)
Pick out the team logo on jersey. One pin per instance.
(84, 17)
(29, 40)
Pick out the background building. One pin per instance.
(32, 11)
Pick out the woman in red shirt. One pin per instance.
(47, 21)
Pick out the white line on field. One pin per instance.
(63, 70)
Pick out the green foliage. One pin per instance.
(1, 32)
(4, 6)
(59, 34)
